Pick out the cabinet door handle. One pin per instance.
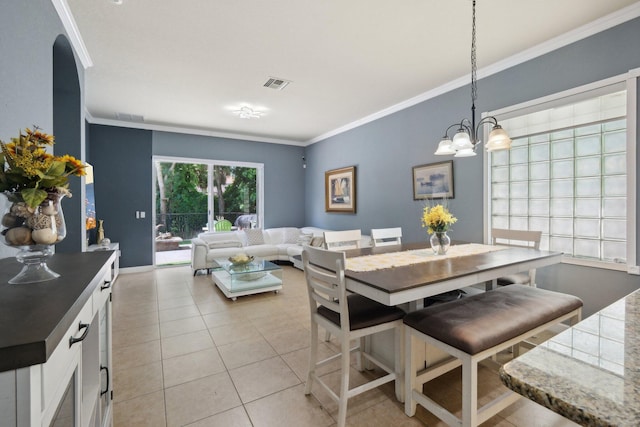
(106, 390)
(84, 326)
(107, 285)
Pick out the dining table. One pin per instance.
(404, 275)
(409, 272)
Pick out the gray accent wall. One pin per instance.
(122, 161)
(284, 179)
(122, 168)
(384, 151)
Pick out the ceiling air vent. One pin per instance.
(276, 83)
(129, 117)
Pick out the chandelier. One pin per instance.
(466, 139)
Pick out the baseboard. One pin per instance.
(139, 269)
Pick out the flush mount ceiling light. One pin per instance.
(118, 2)
(248, 113)
(465, 141)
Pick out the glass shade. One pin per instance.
(465, 152)
(461, 141)
(498, 139)
(445, 148)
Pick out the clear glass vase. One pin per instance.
(33, 231)
(440, 242)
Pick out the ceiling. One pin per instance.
(186, 65)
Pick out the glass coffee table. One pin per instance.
(247, 279)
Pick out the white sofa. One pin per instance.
(277, 244)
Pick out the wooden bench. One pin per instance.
(471, 330)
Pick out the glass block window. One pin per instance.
(566, 176)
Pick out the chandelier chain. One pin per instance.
(474, 87)
(466, 137)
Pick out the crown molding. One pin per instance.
(189, 131)
(73, 33)
(601, 24)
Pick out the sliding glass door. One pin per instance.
(235, 195)
(182, 194)
(195, 195)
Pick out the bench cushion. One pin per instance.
(482, 321)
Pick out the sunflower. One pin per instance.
(73, 166)
(28, 170)
(37, 137)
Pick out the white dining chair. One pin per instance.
(386, 236)
(517, 238)
(348, 317)
(342, 240)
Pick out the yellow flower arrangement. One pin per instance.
(26, 167)
(437, 219)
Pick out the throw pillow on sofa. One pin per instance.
(304, 239)
(291, 235)
(254, 237)
(317, 242)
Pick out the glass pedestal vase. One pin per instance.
(440, 242)
(33, 231)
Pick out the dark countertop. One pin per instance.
(34, 316)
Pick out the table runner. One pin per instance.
(399, 259)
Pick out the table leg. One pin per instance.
(490, 285)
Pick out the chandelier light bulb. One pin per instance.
(498, 139)
(465, 152)
(461, 140)
(445, 148)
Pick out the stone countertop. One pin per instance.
(589, 373)
(35, 316)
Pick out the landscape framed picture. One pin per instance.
(433, 181)
(340, 190)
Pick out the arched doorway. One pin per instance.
(67, 128)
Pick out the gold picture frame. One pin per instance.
(340, 190)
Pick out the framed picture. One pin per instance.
(433, 181)
(340, 190)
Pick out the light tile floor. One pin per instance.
(186, 355)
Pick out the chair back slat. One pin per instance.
(342, 240)
(325, 287)
(386, 236)
(324, 273)
(520, 238)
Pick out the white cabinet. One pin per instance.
(104, 359)
(113, 246)
(73, 387)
